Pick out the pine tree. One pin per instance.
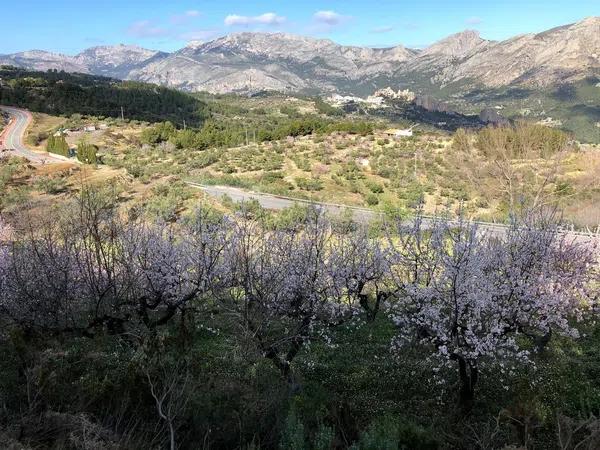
(86, 153)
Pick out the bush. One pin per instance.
(523, 141)
(87, 153)
(293, 433)
(372, 200)
(51, 185)
(158, 133)
(375, 188)
(390, 434)
(309, 184)
(57, 145)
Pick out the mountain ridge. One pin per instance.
(250, 62)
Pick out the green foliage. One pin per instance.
(324, 438)
(159, 133)
(11, 193)
(87, 153)
(375, 188)
(309, 184)
(372, 199)
(290, 218)
(564, 188)
(167, 200)
(293, 433)
(522, 141)
(62, 93)
(233, 133)
(290, 111)
(461, 141)
(57, 145)
(390, 434)
(326, 108)
(51, 185)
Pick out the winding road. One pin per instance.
(360, 215)
(12, 137)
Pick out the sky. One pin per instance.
(68, 26)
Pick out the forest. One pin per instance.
(62, 93)
(227, 331)
(231, 133)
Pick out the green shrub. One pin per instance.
(87, 153)
(391, 434)
(372, 200)
(309, 184)
(375, 188)
(51, 185)
(57, 145)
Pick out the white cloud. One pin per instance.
(330, 18)
(474, 20)
(146, 29)
(179, 19)
(263, 19)
(382, 29)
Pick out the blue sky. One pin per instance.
(69, 26)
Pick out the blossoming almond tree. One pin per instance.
(360, 265)
(470, 296)
(281, 292)
(95, 274)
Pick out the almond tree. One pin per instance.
(282, 289)
(360, 266)
(5, 233)
(468, 295)
(94, 273)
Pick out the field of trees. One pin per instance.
(486, 172)
(229, 331)
(135, 313)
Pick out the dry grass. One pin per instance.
(42, 125)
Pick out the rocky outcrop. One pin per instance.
(491, 116)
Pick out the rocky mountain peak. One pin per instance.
(271, 44)
(457, 45)
(116, 54)
(252, 62)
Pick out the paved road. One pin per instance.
(361, 215)
(276, 202)
(12, 137)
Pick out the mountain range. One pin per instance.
(254, 62)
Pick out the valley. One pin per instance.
(560, 84)
(266, 240)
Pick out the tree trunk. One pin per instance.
(468, 375)
(285, 370)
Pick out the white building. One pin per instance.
(408, 132)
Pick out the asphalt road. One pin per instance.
(12, 138)
(361, 215)
(276, 202)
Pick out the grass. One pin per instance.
(41, 126)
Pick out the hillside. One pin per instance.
(61, 93)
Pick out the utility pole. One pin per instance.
(184, 124)
(415, 169)
(246, 130)
(122, 114)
